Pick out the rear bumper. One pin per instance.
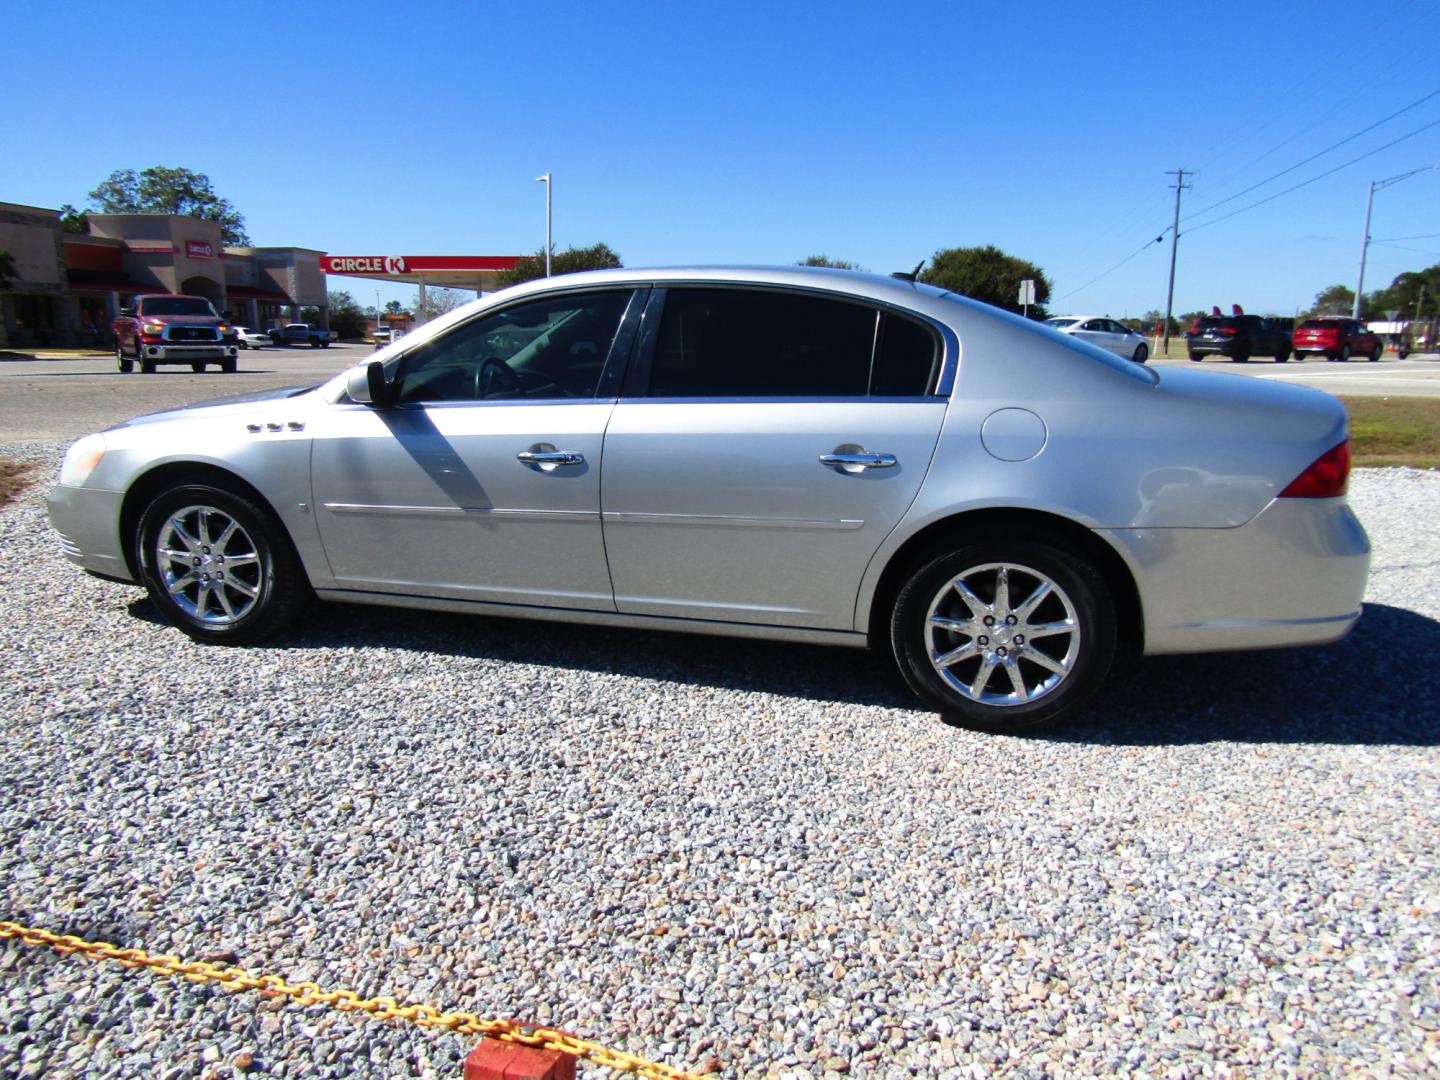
(1293, 575)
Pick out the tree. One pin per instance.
(988, 274)
(1404, 293)
(825, 260)
(1336, 300)
(346, 317)
(438, 301)
(394, 307)
(570, 261)
(72, 220)
(161, 190)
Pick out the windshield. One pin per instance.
(177, 305)
(1060, 324)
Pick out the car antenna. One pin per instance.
(911, 275)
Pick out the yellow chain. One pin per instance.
(382, 1008)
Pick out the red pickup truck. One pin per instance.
(173, 330)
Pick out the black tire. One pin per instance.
(1142, 353)
(1241, 354)
(1282, 356)
(197, 366)
(124, 364)
(314, 344)
(1194, 356)
(1077, 594)
(147, 367)
(1345, 354)
(1375, 356)
(229, 365)
(263, 565)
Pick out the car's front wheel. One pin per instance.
(1004, 635)
(218, 566)
(124, 364)
(1142, 353)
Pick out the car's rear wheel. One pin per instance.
(1241, 354)
(197, 366)
(1142, 353)
(228, 365)
(124, 364)
(1375, 355)
(218, 566)
(1282, 356)
(1004, 635)
(1194, 356)
(1345, 353)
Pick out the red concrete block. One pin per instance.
(494, 1059)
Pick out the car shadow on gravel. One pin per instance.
(1366, 690)
(1377, 687)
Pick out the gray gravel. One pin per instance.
(692, 847)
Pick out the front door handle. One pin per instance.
(550, 460)
(856, 460)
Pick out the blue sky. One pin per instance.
(764, 132)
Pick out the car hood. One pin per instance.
(226, 406)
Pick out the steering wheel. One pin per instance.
(494, 374)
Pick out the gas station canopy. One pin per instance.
(477, 272)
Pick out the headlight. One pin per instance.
(81, 459)
(153, 328)
(224, 329)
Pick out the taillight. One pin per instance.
(1327, 476)
(1228, 331)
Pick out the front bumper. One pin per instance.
(87, 521)
(1293, 575)
(168, 353)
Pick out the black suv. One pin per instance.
(1238, 337)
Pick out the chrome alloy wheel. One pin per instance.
(1002, 634)
(209, 565)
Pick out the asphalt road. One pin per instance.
(53, 401)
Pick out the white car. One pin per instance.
(251, 339)
(1104, 332)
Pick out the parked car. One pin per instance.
(785, 453)
(1105, 332)
(1336, 338)
(1237, 336)
(381, 335)
(250, 339)
(300, 333)
(168, 329)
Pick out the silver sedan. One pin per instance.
(1105, 332)
(807, 455)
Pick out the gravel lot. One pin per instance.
(692, 847)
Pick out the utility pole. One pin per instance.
(1180, 186)
(549, 187)
(1364, 247)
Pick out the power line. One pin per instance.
(1392, 239)
(1143, 247)
(1313, 179)
(1312, 157)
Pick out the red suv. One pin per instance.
(1337, 337)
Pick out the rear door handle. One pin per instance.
(857, 461)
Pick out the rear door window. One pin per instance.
(753, 343)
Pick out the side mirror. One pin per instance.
(367, 385)
(127, 312)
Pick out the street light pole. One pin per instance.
(1376, 185)
(549, 188)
